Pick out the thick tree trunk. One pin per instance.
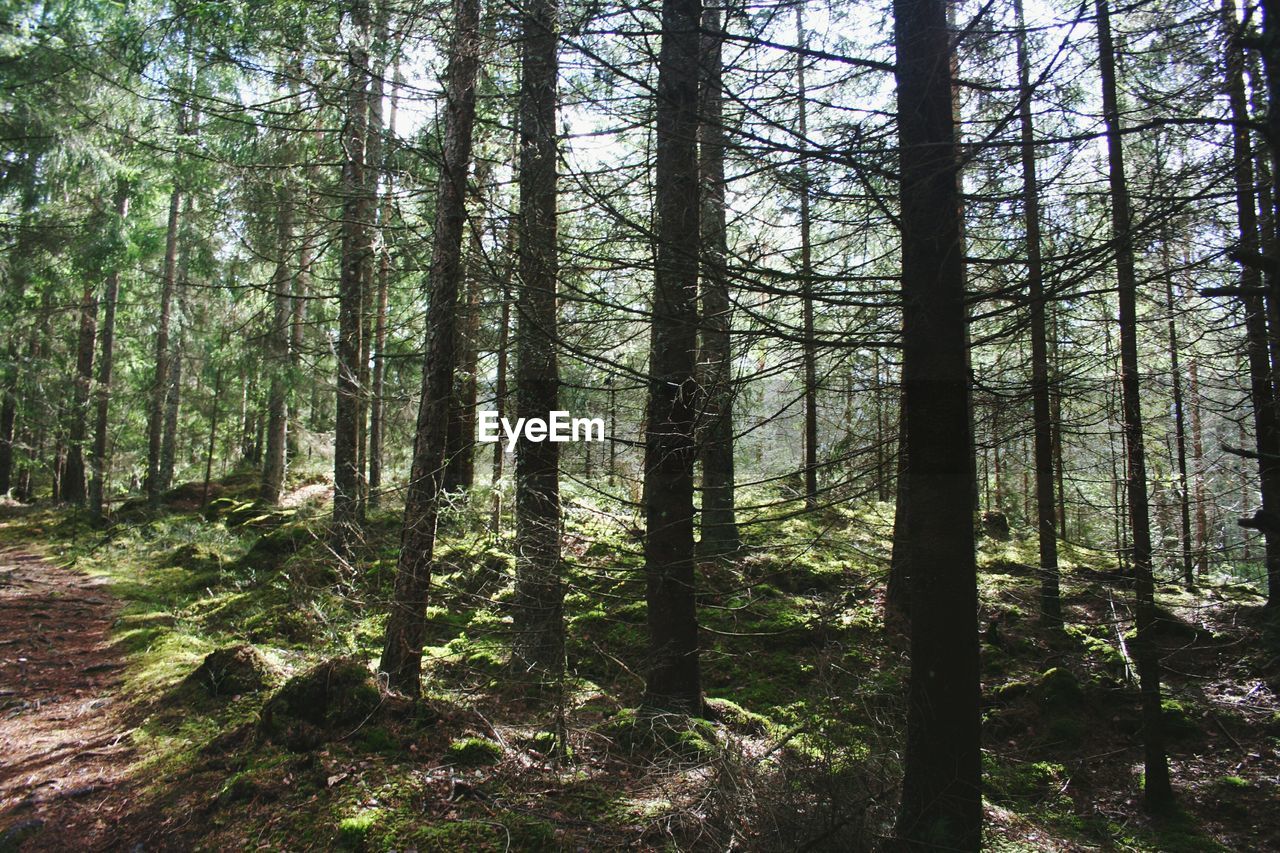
(1042, 417)
(674, 681)
(273, 466)
(941, 795)
(406, 626)
(539, 602)
(1157, 791)
(719, 516)
(98, 459)
(356, 208)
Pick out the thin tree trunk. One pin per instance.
(406, 625)
(98, 460)
(1180, 434)
(1041, 412)
(674, 681)
(161, 379)
(347, 471)
(500, 380)
(273, 468)
(213, 435)
(941, 791)
(172, 408)
(377, 404)
(1197, 456)
(539, 602)
(74, 483)
(1157, 791)
(719, 516)
(806, 285)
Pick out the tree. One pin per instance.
(673, 681)
(941, 789)
(406, 624)
(1157, 791)
(715, 356)
(1046, 526)
(539, 603)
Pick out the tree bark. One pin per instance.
(98, 459)
(406, 626)
(73, 483)
(161, 379)
(1261, 344)
(806, 285)
(941, 795)
(539, 602)
(377, 405)
(273, 467)
(673, 681)
(356, 204)
(1042, 416)
(719, 515)
(1157, 790)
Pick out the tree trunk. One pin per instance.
(806, 286)
(161, 379)
(1179, 434)
(1046, 526)
(98, 461)
(73, 484)
(377, 405)
(1157, 791)
(1197, 445)
(406, 626)
(941, 794)
(1261, 345)
(347, 472)
(539, 602)
(719, 515)
(273, 467)
(673, 680)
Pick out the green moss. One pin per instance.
(1233, 782)
(473, 752)
(737, 718)
(1021, 783)
(1059, 688)
(354, 830)
(509, 833)
(661, 735)
(1178, 722)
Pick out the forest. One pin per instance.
(533, 425)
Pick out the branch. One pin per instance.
(1254, 260)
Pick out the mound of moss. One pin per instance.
(331, 700)
(233, 671)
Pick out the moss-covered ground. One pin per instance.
(801, 748)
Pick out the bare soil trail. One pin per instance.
(64, 749)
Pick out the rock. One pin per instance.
(233, 671)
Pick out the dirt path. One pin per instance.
(63, 746)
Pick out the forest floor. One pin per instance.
(64, 749)
(199, 679)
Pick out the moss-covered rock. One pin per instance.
(1059, 688)
(473, 752)
(233, 671)
(330, 700)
